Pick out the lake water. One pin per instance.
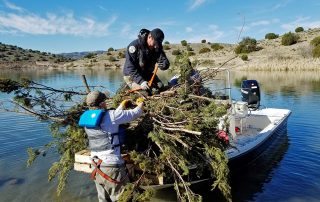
(288, 171)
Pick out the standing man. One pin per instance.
(109, 171)
(141, 56)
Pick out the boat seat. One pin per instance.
(241, 112)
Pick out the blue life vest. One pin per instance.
(91, 118)
(98, 139)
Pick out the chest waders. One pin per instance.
(104, 175)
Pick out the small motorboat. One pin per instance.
(251, 127)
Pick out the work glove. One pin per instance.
(160, 65)
(159, 85)
(125, 104)
(139, 100)
(144, 85)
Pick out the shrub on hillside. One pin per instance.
(112, 59)
(166, 47)
(203, 41)
(184, 43)
(299, 29)
(121, 55)
(90, 55)
(191, 53)
(189, 48)
(166, 42)
(216, 46)
(110, 49)
(316, 51)
(247, 45)
(176, 52)
(315, 41)
(244, 57)
(271, 36)
(204, 50)
(289, 39)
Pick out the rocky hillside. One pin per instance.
(79, 55)
(270, 55)
(16, 57)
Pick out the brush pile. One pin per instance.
(176, 138)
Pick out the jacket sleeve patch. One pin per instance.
(132, 49)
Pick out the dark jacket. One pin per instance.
(140, 61)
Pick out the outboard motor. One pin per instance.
(250, 93)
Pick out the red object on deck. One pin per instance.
(237, 129)
(223, 135)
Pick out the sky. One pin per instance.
(59, 26)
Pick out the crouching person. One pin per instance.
(109, 171)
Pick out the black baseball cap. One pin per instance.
(158, 36)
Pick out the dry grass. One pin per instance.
(272, 56)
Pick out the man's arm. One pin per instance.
(121, 116)
(163, 62)
(131, 64)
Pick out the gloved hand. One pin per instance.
(144, 85)
(160, 65)
(125, 103)
(139, 100)
(160, 85)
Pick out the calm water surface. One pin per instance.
(288, 171)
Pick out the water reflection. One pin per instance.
(286, 82)
(248, 181)
(10, 181)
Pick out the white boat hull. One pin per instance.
(258, 127)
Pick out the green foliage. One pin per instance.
(68, 141)
(216, 46)
(121, 54)
(189, 48)
(32, 154)
(316, 52)
(191, 53)
(244, 57)
(204, 50)
(289, 39)
(167, 42)
(130, 193)
(271, 36)
(112, 58)
(166, 47)
(315, 41)
(176, 52)
(247, 45)
(110, 49)
(90, 55)
(203, 41)
(299, 29)
(184, 43)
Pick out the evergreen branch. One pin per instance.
(42, 116)
(177, 173)
(169, 124)
(181, 130)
